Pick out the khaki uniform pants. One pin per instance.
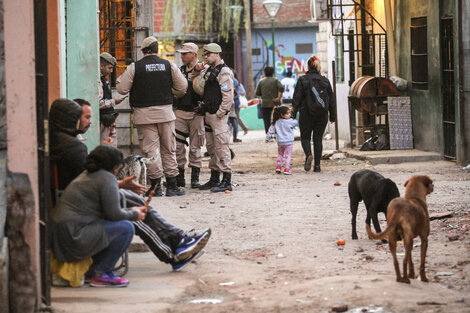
(217, 143)
(158, 141)
(104, 134)
(194, 129)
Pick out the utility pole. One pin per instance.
(392, 64)
(250, 86)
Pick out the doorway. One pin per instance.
(448, 87)
(42, 112)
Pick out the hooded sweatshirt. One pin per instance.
(67, 152)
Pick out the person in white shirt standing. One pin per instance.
(289, 84)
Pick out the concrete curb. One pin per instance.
(393, 156)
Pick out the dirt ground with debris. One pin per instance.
(273, 245)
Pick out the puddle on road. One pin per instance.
(206, 301)
(369, 309)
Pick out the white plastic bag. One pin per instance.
(243, 102)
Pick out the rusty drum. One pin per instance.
(368, 93)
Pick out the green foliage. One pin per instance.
(204, 18)
(209, 5)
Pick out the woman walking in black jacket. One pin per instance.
(314, 99)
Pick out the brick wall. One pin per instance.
(292, 11)
(159, 13)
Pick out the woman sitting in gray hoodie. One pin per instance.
(89, 220)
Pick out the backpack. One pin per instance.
(317, 99)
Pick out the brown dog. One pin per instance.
(408, 217)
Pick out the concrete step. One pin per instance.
(138, 245)
(393, 156)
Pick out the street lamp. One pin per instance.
(272, 8)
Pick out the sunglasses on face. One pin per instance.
(206, 54)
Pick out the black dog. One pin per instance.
(375, 190)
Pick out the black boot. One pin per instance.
(180, 182)
(158, 190)
(213, 181)
(226, 184)
(195, 177)
(172, 189)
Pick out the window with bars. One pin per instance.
(419, 53)
(117, 33)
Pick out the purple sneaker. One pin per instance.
(108, 280)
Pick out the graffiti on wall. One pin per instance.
(286, 62)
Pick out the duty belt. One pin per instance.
(185, 108)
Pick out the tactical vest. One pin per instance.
(152, 83)
(107, 115)
(106, 88)
(212, 94)
(189, 101)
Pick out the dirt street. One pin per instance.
(273, 245)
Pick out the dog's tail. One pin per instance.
(381, 235)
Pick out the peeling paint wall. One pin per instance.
(83, 59)
(426, 104)
(20, 80)
(3, 137)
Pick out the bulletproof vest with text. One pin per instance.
(152, 83)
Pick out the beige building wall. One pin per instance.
(21, 103)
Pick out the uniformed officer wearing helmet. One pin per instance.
(217, 79)
(150, 82)
(107, 103)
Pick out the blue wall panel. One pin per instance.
(287, 57)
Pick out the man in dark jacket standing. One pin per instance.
(312, 126)
(149, 82)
